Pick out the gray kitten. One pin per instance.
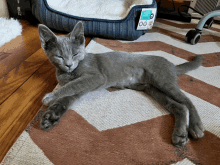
(79, 72)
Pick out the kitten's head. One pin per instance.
(64, 51)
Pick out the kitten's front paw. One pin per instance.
(52, 116)
(48, 99)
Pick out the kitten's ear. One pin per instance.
(78, 33)
(47, 37)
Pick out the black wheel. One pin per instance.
(193, 37)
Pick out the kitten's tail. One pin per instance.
(191, 65)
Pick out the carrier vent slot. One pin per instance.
(206, 6)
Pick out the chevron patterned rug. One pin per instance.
(126, 127)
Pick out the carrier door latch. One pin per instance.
(19, 8)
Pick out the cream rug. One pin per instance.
(9, 29)
(118, 127)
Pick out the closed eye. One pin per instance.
(74, 55)
(59, 57)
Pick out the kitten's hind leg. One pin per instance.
(56, 111)
(196, 128)
(180, 112)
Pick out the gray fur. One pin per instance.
(79, 72)
(185, 67)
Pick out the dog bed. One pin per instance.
(114, 19)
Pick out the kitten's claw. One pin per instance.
(48, 99)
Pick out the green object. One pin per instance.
(146, 14)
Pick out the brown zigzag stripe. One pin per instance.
(204, 38)
(183, 26)
(175, 24)
(210, 60)
(147, 142)
(200, 89)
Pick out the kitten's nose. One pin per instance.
(68, 66)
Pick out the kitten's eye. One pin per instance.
(60, 57)
(74, 55)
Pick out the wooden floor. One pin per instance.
(26, 76)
